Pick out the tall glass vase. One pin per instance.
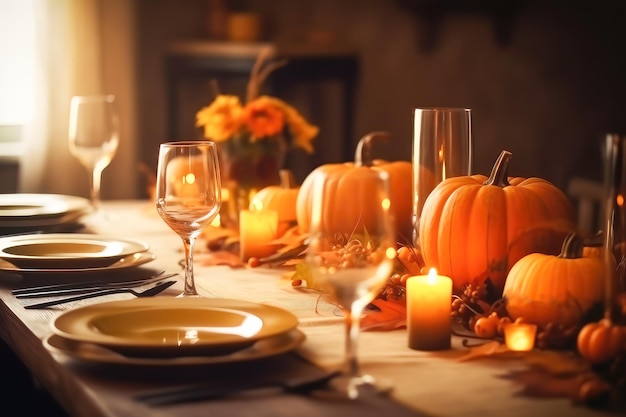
(247, 166)
(614, 159)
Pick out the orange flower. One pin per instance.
(263, 118)
(221, 119)
(303, 132)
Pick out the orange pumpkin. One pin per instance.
(474, 226)
(557, 289)
(348, 209)
(601, 341)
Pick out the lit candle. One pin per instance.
(429, 321)
(520, 336)
(256, 229)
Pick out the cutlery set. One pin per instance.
(84, 290)
(85, 286)
(203, 392)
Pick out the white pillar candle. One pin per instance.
(429, 323)
(256, 229)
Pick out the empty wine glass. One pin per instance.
(188, 194)
(351, 254)
(94, 137)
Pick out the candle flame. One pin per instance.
(190, 178)
(257, 205)
(432, 276)
(225, 195)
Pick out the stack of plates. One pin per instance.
(163, 331)
(24, 212)
(70, 252)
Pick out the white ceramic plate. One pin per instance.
(92, 353)
(28, 210)
(162, 327)
(67, 250)
(129, 261)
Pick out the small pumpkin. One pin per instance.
(281, 198)
(600, 342)
(557, 289)
(348, 210)
(474, 226)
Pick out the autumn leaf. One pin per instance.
(391, 315)
(556, 362)
(222, 257)
(493, 348)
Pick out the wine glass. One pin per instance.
(188, 194)
(351, 255)
(94, 137)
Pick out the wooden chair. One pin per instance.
(588, 196)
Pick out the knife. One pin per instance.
(201, 392)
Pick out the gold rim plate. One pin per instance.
(130, 261)
(67, 250)
(29, 210)
(169, 327)
(88, 352)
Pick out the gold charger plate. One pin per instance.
(31, 210)
(67, 250)
(129, 261)
(89, 352)
(162, 327)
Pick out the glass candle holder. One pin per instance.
(520, 336)
(442, 148)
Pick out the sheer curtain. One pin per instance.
(82, 47)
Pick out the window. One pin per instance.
(17, 57)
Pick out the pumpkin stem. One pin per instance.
(287, 180)
(363, 154)
(500, 172)
(573, 246)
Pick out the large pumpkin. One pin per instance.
(544, 289)
(400, 174)
(474, 226)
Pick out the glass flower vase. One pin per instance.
(247, 166)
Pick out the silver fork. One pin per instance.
(146, 293)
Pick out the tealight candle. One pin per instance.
(256, 229)
(520, 336)
(429, 321)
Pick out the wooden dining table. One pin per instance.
(436, 383)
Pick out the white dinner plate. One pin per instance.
(67, 250)
(129, 261)
(31, 210)
(89, 352)
(161, 327)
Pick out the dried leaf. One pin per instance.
(557, 362)
(222, 257)
(485, 350)
(537, 383)
(392, 315)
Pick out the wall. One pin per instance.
(546, 95)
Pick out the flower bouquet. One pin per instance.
(253, 136)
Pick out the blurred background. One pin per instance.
(544, 79)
